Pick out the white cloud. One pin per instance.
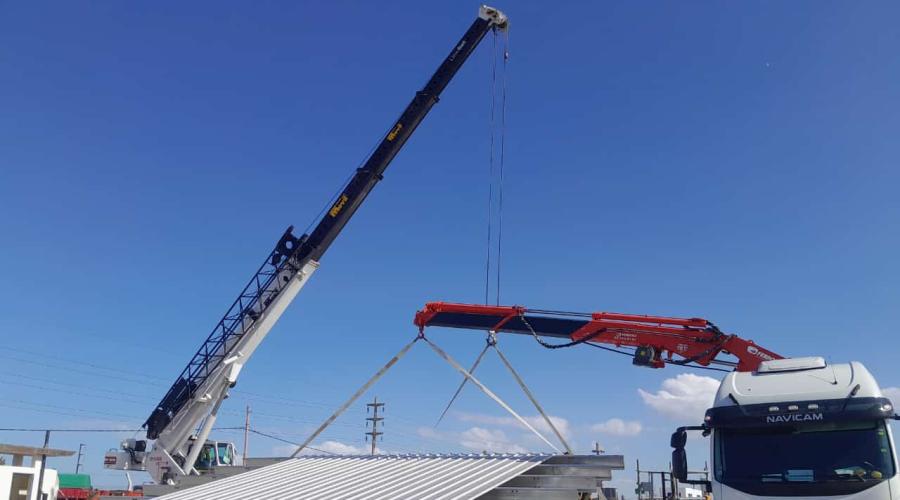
(892, 393)
(481, 439)
(428, 433)
(684, 398)
(335, 447)
(536, 421)
(283, 450)
(340, 448)
(618, 427)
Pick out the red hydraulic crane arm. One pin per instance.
(656, 339)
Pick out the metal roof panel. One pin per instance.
(435, 477)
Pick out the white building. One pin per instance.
(19, 477)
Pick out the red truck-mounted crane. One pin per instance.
(656, 340)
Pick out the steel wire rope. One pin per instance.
(490, 204)
(505, 48)
(344, 184)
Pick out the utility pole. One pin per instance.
(78, 463)
(374, 406)
(638, 490)
(246, 435)
(597, 450)
(39, 492)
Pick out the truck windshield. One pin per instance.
(808, 459)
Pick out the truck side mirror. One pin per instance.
(679, 439)
(679, 464)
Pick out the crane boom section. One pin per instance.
(394, 139)
(656, 339)
(214, 367)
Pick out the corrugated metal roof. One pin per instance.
(365, 477)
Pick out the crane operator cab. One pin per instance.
(135, 455)
(214, 454)
(797, 428)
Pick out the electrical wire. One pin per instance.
(276, 438)
(6, 403)
(73, 364)
(100, 430)
(75, 369)
(80, 362)
(75, 393)
(64, 384)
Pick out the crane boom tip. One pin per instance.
(494, 16)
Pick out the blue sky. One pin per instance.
(732, 161)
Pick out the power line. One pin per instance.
(51, 381)
(75, 393)
(69, 430)
(75, 369)
(98, 430)
(276, 438)
(79, 362)
(56, 407)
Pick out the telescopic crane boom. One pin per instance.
(655, 339)
(199, 390)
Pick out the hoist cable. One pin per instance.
(502, 157)
(496, 165)
(490, 204)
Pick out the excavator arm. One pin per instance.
(656, 340)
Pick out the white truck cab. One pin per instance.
(798, 428)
